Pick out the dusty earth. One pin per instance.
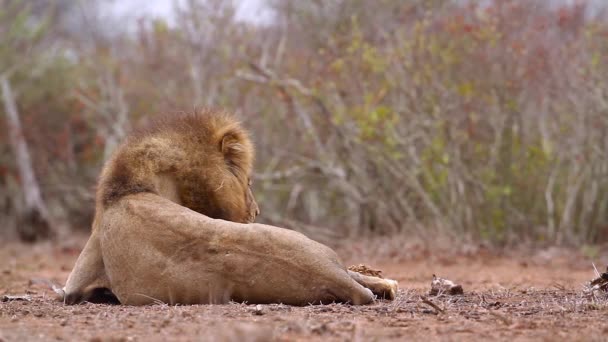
(507, 296)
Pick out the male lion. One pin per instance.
(173, 224)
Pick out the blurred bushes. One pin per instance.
(479, 121)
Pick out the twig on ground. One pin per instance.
(431, 304)
(597, 273)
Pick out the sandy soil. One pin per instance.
(507, 297)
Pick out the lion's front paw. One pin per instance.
(391, 289)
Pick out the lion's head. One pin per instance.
(202, 161)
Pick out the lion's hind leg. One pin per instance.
(88, 280)
(383, 288)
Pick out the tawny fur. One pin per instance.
(172, 224)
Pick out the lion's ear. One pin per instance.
(231, 146)
(237, 149)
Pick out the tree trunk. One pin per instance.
(34, 221)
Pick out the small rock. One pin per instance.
(258, 311)
(8, 298)
(444, 286)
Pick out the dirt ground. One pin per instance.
(508, 296)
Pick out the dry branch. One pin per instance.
(426, 301)
(35, 220)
